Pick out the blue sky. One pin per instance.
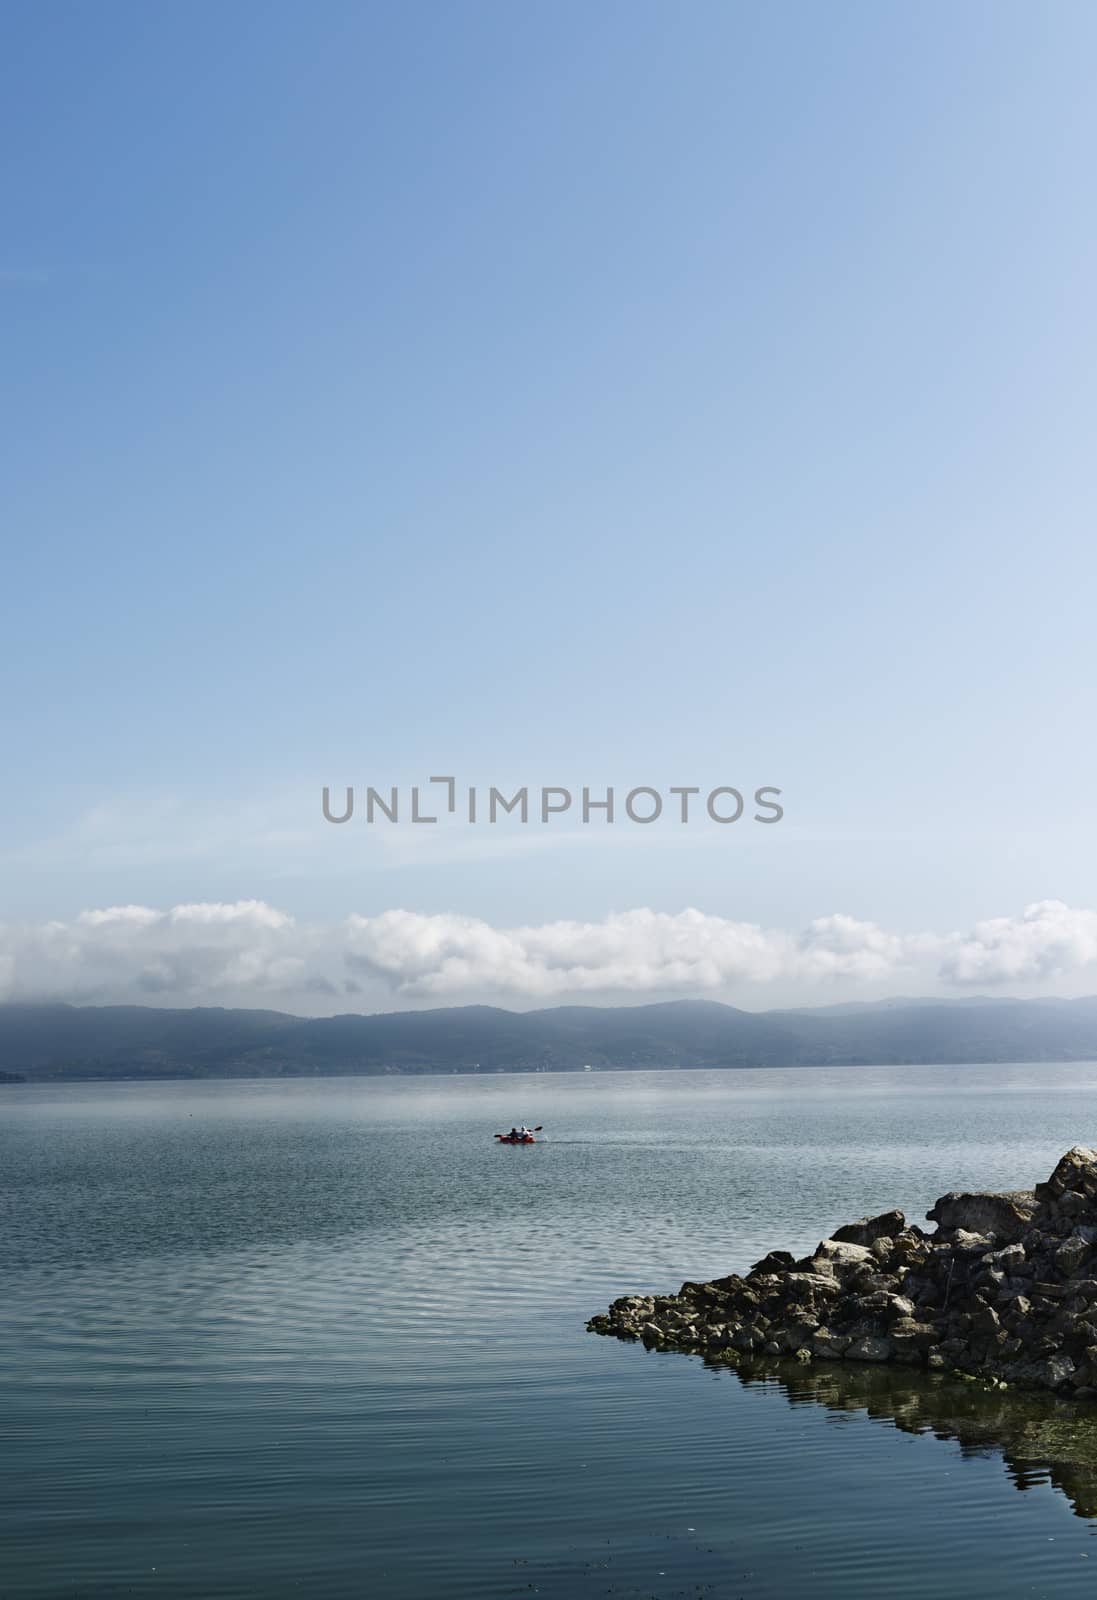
(550, 394)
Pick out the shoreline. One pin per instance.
(32, 1079)
(1005, 1291)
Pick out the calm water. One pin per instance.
(326, 1339)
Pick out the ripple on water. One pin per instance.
(325, 1338)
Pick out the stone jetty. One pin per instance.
(1004, 1289)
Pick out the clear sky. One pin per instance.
(547, 394)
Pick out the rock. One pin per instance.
(1008, 1259)
(875, 1282)
(830, 1346)
(1004, 1215)
(971, 1244)
(700, 1293)
(1069, 1256)
(810, 1285)
(925, 1333)
(839, 1256)
(776, 1261)
(866, 1232)
(997, 1290)
(869, 1349)
(636, 1304)
(1075, 1172)
(910, 1248)
(1060, 1369)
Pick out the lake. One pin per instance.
(325, 1338)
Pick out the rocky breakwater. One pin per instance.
(1004, 1289)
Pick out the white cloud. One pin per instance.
(120, 916)
(249, 952)
(241, 913)
(1049, 939)
(186, 954)
(630, 952)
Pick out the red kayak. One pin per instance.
(516, 1138)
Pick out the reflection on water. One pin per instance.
(1040, 1439)
(327, 1338)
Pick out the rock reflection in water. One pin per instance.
(1040, 1439)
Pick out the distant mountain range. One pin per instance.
(40, 1042)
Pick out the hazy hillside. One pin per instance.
(58, 1041)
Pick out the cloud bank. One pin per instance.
(249, 952)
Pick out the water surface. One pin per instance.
(325, 1338)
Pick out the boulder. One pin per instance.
(1005, 1288)
(1075, 1172)
(1071, 1254)
(830, 1345)
(1059, 1370)
(776, 1261)
(971, 1244)
(837, 1255)
(910, 1247)
(923, 1334)
(869, 1229)
(1006, 1216)
(1008, 1259)
(898, 1307)
(869, 1349)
